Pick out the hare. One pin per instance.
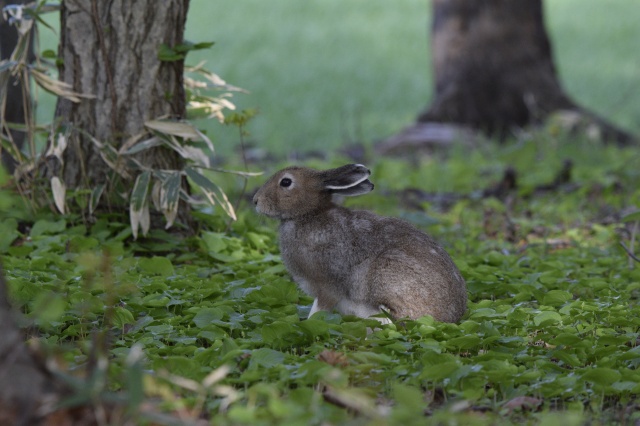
(356, 261)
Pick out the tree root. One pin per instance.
(430, 136)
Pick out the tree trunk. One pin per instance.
(109, 49)
(494, 72)
(493, 65)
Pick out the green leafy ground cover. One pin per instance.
(212, 324)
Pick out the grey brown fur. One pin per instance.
(355, 261)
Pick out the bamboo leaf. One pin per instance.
(7, 65)
(196, 155)
(110, 156)
(139, 206)
(234, 172)
(10, 146)
(131, 141)
(187, 152)
(134, 218)
(40, 10)
(215, 80)
(96, 194)
(59, 191)
(141, 146)
(170, 197)
(194, 201)
(58, 88)
(145, 219)
(57, 146)
(140, 190)
(212, 191)
(206, 140)
(175, 128)
(216, 375)
(155, 194)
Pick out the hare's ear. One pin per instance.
(347, 180)
(359, 189)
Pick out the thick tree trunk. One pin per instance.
(109, 49)
(493, 65)
(494, 72)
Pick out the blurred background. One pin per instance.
(325, 73)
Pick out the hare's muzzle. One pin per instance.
(256, 203)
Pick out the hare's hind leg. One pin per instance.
(361, 309)
(407, 288)
(411, 298)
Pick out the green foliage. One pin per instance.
(552, 326)
(180, 51)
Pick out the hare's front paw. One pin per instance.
(314, 308)
(319, 305)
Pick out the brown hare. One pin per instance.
(355, 261)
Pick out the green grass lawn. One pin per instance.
(324, 73)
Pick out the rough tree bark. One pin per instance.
(493, 65)
(109, 49)
(494, 70)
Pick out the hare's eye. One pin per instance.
(285, 182)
